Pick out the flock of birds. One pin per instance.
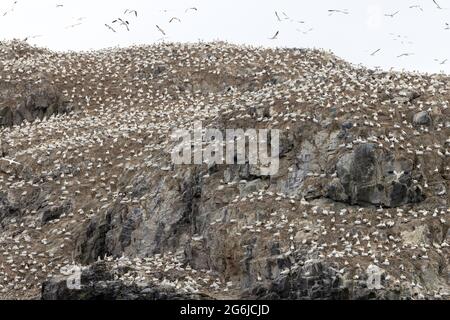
(284, 16)
(120, 22)
(124, 23)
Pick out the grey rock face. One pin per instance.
(52, 213)
(320, 281)
(360, 184)
(40, 102)
(371, 176)
(336, 191)
(7, 208)
(131, 230)
(97, 283)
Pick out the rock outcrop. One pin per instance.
(98, 283)
(38, 102)
(370, 176)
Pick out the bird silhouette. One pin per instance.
(332, 11)
(275, 35)
(416, 7)
(161, 30)
(375, 52)
(73, 25)
(128, 11)
(437, 5)
(278, 17)
(11, 9)
(306, 31)
(122, 22)
(392, 14)
(10, 161)
(33, 37)
(110, 28)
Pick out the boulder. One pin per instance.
(422, 118)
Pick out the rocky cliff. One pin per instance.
(359, 208)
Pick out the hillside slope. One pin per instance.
(364, 176)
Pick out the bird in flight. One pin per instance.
(131, 11)
(375, 52)
(73, 25)
(173, 19)
(416, 7)
(122, 23)
(10, 9)
(447, 26)
(441, 62)
(161, 30)
(306, 31)
(193, 8)
(392, 14)
(110, 28)
(405, 55)
(278, 17)
(59, 5)
(331, 11)
(437, 5)
(32, 37)
(275, 35)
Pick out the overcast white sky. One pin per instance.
(352, 36)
